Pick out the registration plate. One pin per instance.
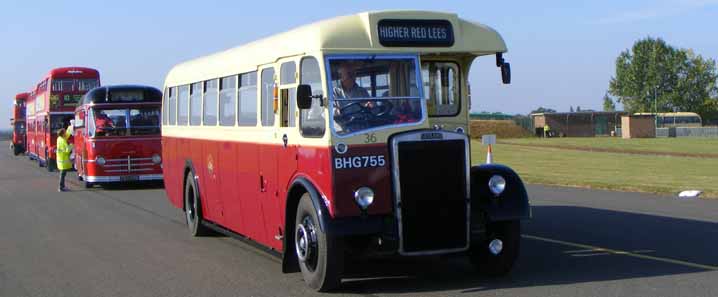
(129, 178)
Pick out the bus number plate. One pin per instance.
(127, 178)
(359, 162)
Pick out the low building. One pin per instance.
(577, 124)
(639, 126)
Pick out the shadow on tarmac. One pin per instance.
(543, 263)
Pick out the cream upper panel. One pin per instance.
(349, 34)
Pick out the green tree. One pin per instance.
(654, 76)
(542, 109)
(608, 104)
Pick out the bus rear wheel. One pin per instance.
(319, 254)
(495, 255)
(193, 208)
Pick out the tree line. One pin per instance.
(654, 76)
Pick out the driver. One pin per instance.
(348, 87)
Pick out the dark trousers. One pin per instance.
(62, 178)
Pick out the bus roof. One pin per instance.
(123, 94)
(73, 71)
(670, 114)
(22, 96)
(345, 34)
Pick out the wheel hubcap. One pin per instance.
(305, 240)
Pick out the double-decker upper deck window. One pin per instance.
(372, 92)
(247, 99)
(87, 84)
(211, 93)
(182, 105)
(311, 121)
(195, 104)
(267, 97)
(62, 85)
(227, 100)
(441, 88)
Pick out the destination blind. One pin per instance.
(427, 33)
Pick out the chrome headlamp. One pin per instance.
(364, 197)
(156, 159)
(497, 184)
(100, 160)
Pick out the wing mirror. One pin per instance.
(304, 97)
(505, 68)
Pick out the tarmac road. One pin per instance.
(130, 241)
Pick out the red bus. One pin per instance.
(343, 137)
(51, 106)
(17, 122)
(117, 135)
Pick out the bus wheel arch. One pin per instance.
(298, 188)
(193, 212)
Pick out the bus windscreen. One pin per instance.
(370, 93)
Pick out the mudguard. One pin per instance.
(512, 204)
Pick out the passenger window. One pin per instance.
(183, 105)
(287, 74)
(165, 106)
(211, 93)
(267, 97)
(172, 105)
(441, 88)
(227, 100)
(247, 99)
(195, 104)
(311, 121)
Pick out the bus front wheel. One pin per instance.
(193, 209)
(319, 254)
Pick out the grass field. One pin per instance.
(634, 171)
(667, 145)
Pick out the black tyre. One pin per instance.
(320, 256)
(50, 164)
(88, 185)
(490, 264)
(16, 150)
(193, 209)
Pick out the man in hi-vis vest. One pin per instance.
(63, 155)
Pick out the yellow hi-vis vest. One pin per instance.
(63, 154)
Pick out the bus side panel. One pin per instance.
(229, 187)
(248, 180)
(269, 198)
(173, 170)
(210, 164)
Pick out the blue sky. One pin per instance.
(562, 53)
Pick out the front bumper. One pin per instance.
(123, 178)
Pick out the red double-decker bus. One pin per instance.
(117, 135)
(17, 122)
(51, 106)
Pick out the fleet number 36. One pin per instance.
(359, 162)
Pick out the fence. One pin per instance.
(683, 132)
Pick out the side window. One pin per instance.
(183, 105)
(311, 121)
(195, 104)
(441, 88)
(267, 97)
(247, 107)
(288, 76)
(165, 106)
(227, 100)
(211, 93)
(172, 105)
